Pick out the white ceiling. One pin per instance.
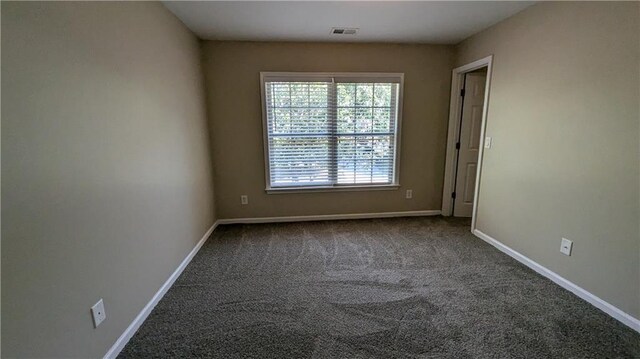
(436, 22)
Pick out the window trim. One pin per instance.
(344, 77)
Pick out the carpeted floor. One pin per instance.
(384, 288)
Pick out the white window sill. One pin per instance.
(281, 190)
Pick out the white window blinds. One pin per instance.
(330, 131)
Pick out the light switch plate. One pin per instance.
(409, 194)
(487, 142)
(98, 313)
(244, 199)
(566, 246)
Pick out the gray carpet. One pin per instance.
(385, 288)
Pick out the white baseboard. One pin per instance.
(616, 313)
(137, 322)
(327, 217)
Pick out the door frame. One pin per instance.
(455, 112)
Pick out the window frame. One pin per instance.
(398, 78)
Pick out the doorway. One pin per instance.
(466, 138)
(468, 143)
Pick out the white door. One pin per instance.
(469, 143)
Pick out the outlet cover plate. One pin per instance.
(98, 313)
(566, 246)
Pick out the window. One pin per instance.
(331, 131)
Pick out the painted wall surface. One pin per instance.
(106, 169)
(232, 72)
(565, 120)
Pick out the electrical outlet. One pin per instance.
(566, 246)
(244, 199)
(409, 194)
(98, 313)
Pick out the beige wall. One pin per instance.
(107, 181)
(232, 71)
(564, 117)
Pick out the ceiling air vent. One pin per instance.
(344, 30)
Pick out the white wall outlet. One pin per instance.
(409, 194)
(487, 142)
(566, 246)
(98, 313)
(244, 199)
